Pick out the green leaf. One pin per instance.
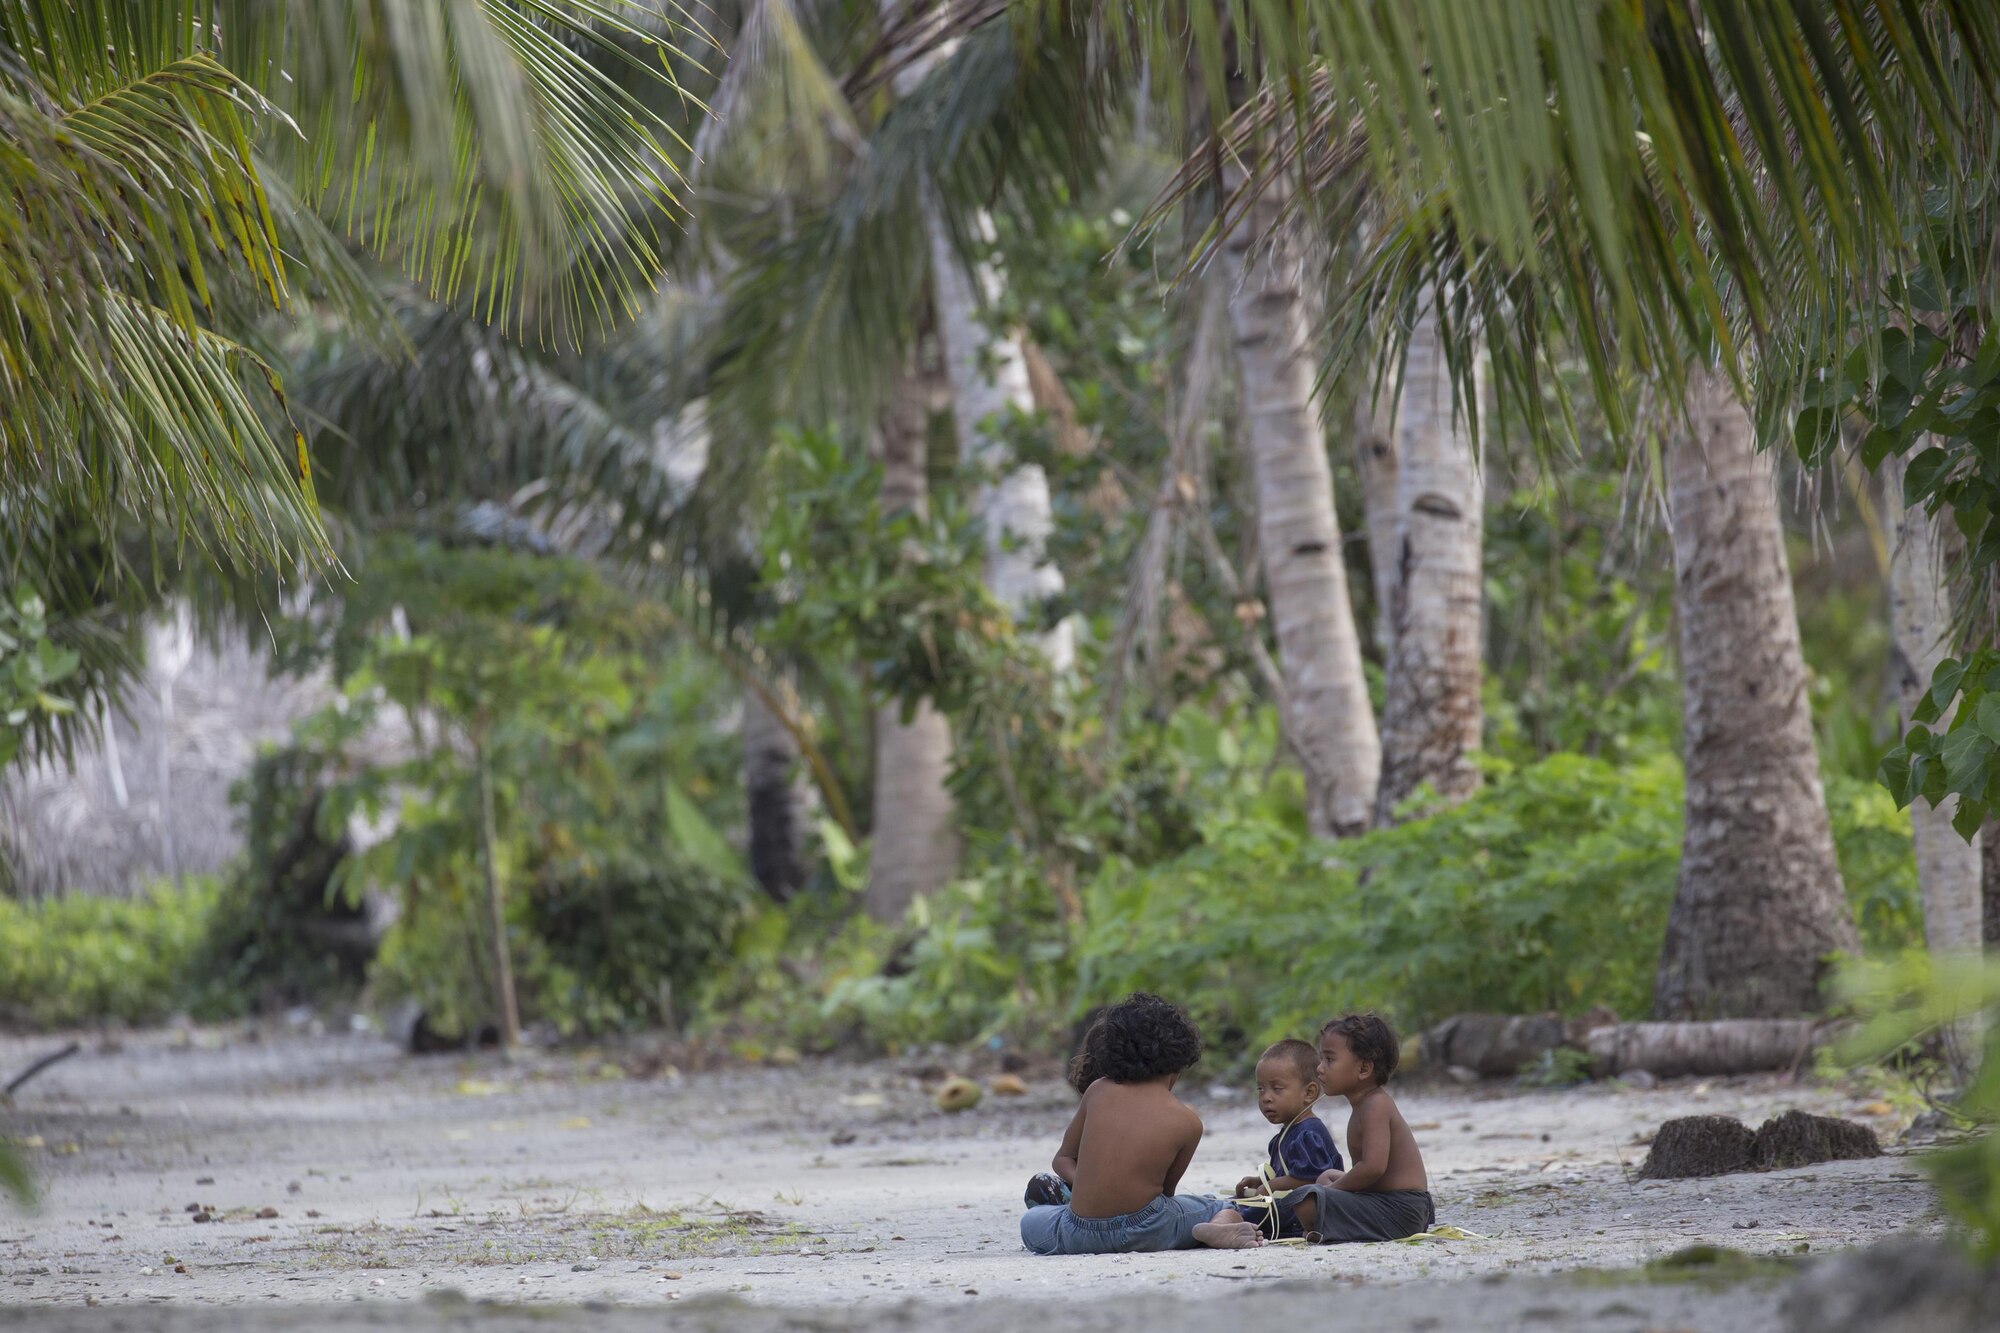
(1910, 357)
(1945, 682)
(1924, 475)
(1987, 716)
(1816, 430)
(1969, 818)
(699, 839)
(1965, 752)
(1894, 774)
(1877, 445)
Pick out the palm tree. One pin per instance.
(1329, 719)
(1432, 715)
(1634, 186)
(170, 165)
(989, 383)
(915, 849)
(1920, 618)
(1374, 433)
(1759, 906)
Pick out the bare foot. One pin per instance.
(1228, 1235)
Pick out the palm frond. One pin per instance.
(468, 414)
(778, 122)
(495, 150)
(824, 305)
(1651, 183)
(127, 196)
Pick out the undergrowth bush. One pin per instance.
(1548, 890)
(81, 959)
(1908, 1002)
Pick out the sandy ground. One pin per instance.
(440, 1190)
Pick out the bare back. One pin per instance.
(1130, 1143)
(1377, 1124)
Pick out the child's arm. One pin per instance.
(1182, 1158)
(1064, 1164)
(1371, 1155)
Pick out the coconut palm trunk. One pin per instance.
(777, 801)
(989, 381)
(916, 848)
(1432, 713)
(1948, 867)
(1375, 460)
(1329, 718)
(1759, 905)
(1989, 885)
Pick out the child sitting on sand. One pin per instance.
(1129, 1142)
(1302, 1150)
(1385, 1195)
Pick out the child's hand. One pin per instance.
(1330, 1176)
(1249, 1185)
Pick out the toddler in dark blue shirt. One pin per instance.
(1287, 1086)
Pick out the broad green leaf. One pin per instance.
(1945, 681)
(699, 839)
(1987, 716)
(1894, 774)
(1965, 752)
(1969, 818)
(1925, 474)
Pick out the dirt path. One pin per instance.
(336, 1170)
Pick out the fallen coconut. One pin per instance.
(957, 1093)
(1007, 1085)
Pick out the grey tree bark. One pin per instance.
(1759, 905)
(778, 801)
(1432, 713)
(1948, 867)
(1329, 718)
(1375, 460)
(916, 848)
(989, 379)
(1989, 880)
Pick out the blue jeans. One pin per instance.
(1167, 1223)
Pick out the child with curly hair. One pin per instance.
(1129, 1142)
(1385, 1195)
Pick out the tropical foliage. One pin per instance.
(553, 340)
(179, 167)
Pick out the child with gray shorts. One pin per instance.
(1129, 1143)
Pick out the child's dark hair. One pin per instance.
(1085, 1066)
(1371, 1038)
(1142, 1037)
(1302, 1056)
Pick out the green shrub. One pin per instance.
(1548, 890)
(78, 959)
(1877, 863)
(280, 934)
(1908, 1000)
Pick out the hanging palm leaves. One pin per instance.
(164, 157)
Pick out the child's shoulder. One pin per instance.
(1309, 1126)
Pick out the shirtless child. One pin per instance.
(1385, 1195)
(1129, 1143)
